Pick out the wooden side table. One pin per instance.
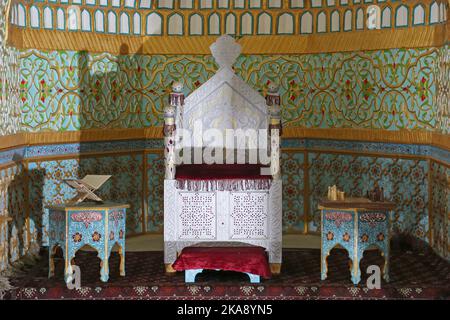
(97, 225)
(356, 224)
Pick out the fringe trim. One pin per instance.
(223, 185)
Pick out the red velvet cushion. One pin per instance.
(241, 259)
(219, 171)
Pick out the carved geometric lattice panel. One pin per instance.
(198, 215)
(248, 218)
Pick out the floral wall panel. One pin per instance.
(443, 89)
(440, 206)
(404, 181)
(386, 89)
(67, 90)
(155, 192)
(9, 80)
(125, 185)
(292, 169)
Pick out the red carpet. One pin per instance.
(413, 276)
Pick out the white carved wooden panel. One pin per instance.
(248, 216)
(197, 215)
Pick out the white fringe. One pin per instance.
(223, 185)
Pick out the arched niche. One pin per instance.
(85, 21)
(348, 20)
(175, 25)
(154, 24)
(264, 23)
(434, 13)
(21, 15)
(386, 17)
(186, 4)
(285, 24)
(165, 4)
(306, 23)
(247, 23)
(214, 24)
(322, 22)
(359, 19)
(34, 17)
(419, 15)
(196, 24)
(373, 17)
(60, 19)
(230, 24)
(112, 22)
(48, 18)
(136, 23)
(335, 23)
(73, 18)
(124, 25)
(401, 16)
(99, 19)
(145, 4)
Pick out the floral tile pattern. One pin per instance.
(292, 168)
(440, 206)
(387, 89)
(404, 181)
(155, 191)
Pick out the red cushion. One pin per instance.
(241, 259)
(219, 171)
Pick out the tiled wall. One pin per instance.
(387, 89)
(440, 208)
(13, 234)
(443, 91)
(308, 168)
(9, 80)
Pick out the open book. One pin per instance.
(85, 187)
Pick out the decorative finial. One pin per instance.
(272, 87)
(225, 51)
(177, 86)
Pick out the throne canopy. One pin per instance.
(225, 101)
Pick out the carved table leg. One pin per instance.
(275, 268)
(324, 265)
(169, 268)
(386, 267)
(68, 271)
(254, 278)
(355, 271)
(122, 261)
(104, 270)
(189, 275)
(51, 260)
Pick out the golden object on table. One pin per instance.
(334, 194)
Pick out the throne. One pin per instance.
(219, 187)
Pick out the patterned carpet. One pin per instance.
(413, 276)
